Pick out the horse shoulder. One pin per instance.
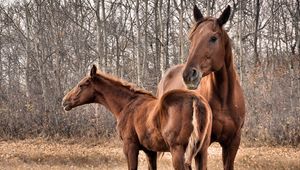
(126, 124)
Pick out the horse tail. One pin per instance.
(202, 118)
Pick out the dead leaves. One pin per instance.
(108, 154)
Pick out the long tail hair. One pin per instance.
(199, 134)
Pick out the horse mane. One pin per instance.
(229, 55)
(119, 82)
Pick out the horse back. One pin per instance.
(172, 79)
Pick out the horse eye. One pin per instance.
(213, 39)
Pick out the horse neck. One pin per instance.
(223, 80)
(114, 97)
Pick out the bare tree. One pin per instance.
(46, 46)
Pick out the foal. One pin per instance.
(179, 122)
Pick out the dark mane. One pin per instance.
(119, 82)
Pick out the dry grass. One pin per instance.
(107, 154)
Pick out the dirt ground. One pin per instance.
(107, 154)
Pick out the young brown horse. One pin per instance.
(210, 60)
(179, 122)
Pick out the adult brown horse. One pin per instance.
(179, 122)
(210, 60)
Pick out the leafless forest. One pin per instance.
(46, 46)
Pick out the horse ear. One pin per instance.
(93, 71)
(224, 16)
(197, 14)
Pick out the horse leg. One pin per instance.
(131, 152)
(229, 151)
(201, 159)
(152, 157)
(177, 153)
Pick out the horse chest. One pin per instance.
(224, 125)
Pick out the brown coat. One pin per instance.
(179, 121)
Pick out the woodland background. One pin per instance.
(47, 46)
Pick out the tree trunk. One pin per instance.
(145, 57)
(210, 7)
(284, 19)
(99, 36)
(28, 73)
(240, 42)
(1, 69)
(118, 56)
(272, 33)
(60, 54)
(40, 56)
(104, 36)
(297, 26)
(157, 56)
(167, 35)
(181, 32)
(162, 58)
(180, 12)
(257, 13)
(138, 43)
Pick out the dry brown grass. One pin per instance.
(107, 154)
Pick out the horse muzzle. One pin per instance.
(191, 78)
(66, 105)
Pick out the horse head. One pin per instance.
(207, 49)
(83, 93)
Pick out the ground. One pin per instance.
(107, 154)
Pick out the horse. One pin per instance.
(210, 72)
(179, 121)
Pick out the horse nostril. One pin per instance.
(194, 74)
